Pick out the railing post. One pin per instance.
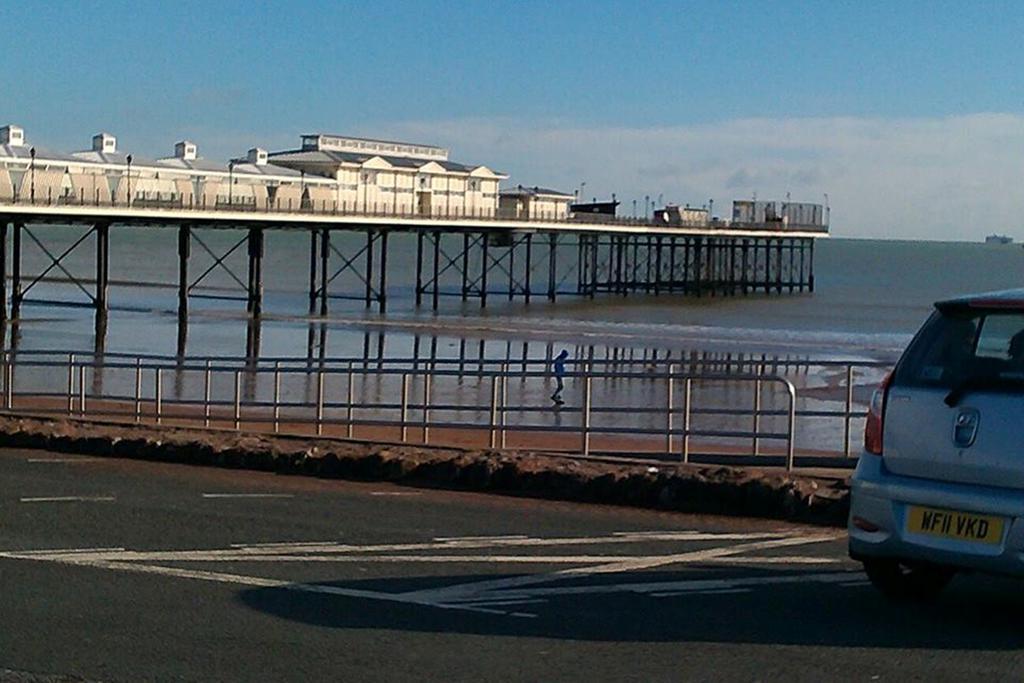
(158, 394)
(319, 402)
(405, 407)
(71, 383)
(757, 409)
(502, 416)
(81, 390)
(669, 407)
(791, 435)
(349, 401)
(9, 385)
(277, 396)
(494, 411)
(687, 401)
(846, 413)
(207, 380)
(238, 399)
(138, 390)
(585, 418)
(426, 407)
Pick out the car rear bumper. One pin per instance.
(883, 499)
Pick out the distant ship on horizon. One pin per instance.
(998, 239)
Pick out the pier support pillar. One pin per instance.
(184, 251)
(312, 271)
(3, 271)
(102, 266)
(419, 267)
(553, 264)
(382, 287)
(325, 248)
(255, 281)
(16, 295)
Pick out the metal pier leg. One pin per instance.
(419, 268)
(811, 278)
(382, 287)
(803, 271)
(16, 294)
(512, 269)
(436, 292)
(657, 266)
(552, 265)
(369, 267)
(465, 266)
(483, 270)
(325, 248)
(3, 271)
(778, 266)
(529, 266)
(184, 250)
(312, 272)
(102, 270)
(255, 271)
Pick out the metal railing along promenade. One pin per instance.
(663, 409)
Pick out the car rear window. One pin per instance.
(965, 344)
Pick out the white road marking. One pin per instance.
(63, 551)
(717, 591)
(479, 538)
(395, 493)
(777, 559)
(482, 596)
(68, 499)
(248, 495)
(285, 545)
(448, 593)
(63, 460)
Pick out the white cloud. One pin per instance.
(943, 178)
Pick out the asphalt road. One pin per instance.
(125, 571)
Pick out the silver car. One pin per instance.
(939, 487)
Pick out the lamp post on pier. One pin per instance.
(129, 180)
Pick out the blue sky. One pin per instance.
(685, 100)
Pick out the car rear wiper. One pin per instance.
(978, 383)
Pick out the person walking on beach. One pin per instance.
(559, 372)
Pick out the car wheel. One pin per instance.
(907, 583)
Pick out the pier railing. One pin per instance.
(665, 412)
(314, 208)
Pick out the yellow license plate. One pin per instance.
(963, 526)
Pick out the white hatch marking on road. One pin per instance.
(65, 551)
(488, 596)
(68, 499)
(286, 545)
(63, 460)
(248, 495)
(778, 559)
(395, 493)
(480, 538)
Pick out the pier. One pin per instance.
(476, 258)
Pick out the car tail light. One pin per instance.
(876, 418)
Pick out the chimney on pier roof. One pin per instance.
(257, 156)
(104, 142)
(185, 150)
(12, 135)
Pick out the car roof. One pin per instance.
(1005, 298)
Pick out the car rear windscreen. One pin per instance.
(963, 344)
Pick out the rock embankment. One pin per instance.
(686, 488)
